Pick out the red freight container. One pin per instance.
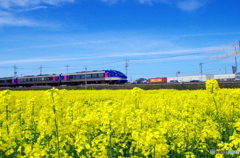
(157, 80)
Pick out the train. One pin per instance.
(237, 76)
(70, 79)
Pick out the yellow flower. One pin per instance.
(212, 85)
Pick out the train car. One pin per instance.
(237, 76)
(39, 80)
(89, 77)
(157, 80)
(94, 77)
(114, 76)
(6, 81)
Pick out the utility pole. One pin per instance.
(67, 68)
(236, 59)
(178, 72)
(236, 54)
(126, 66)
(201, 69)
(85, 77)
(40, 69)
(15, 71)
(22, 74)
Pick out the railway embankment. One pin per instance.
(178, 86)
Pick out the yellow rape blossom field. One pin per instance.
(120, 123)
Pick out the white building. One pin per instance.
(222, 77)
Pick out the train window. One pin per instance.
(119, 73)
(237, 76)
(82, 76)
(78, 76)
(5, 81)
(94, 75)
(70, 77)
(100, 75)
(89, 75)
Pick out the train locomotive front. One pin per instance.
(115, 77)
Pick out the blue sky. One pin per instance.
(157, 37)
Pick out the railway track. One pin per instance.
(179, 85)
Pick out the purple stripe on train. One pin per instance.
(105, 75)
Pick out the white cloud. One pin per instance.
(178, 56)
(35, 60)
(110, 1)
(29, 3)
(33, 8)
(150, 1)
(7, 18)
(10, 18)
(189, 5)
(185, 5)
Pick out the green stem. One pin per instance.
(110, 142)
(57, 134)
(7, 118)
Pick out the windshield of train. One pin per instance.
(119, 73)
(237, 76)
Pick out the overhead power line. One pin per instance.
(161, 57)
(221, 49)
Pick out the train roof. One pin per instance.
(38, 76)
(6, 78)
(87, 72)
